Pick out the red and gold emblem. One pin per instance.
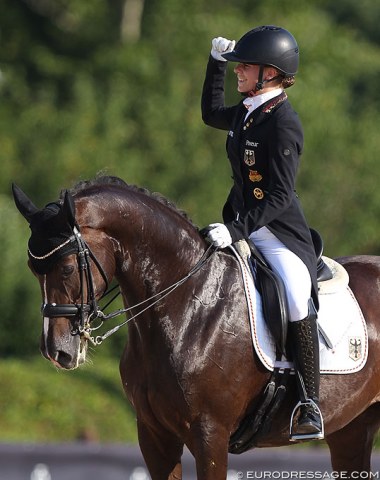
(255, 176)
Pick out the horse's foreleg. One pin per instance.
(210, 448)
(351, 447)
(162, 452)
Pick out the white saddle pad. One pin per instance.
(339, 316)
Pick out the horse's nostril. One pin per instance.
(64, 359)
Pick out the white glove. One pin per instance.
(221, 45)
(219, 235)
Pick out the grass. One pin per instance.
(39, 403)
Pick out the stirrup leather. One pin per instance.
(306, 436)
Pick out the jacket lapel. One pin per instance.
(262, 113)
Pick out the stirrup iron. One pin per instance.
(306, 436)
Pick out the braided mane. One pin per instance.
(83, 185)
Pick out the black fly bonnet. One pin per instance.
(52, 235)
(55, 234)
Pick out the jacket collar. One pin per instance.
(268, 101)
(251, 103)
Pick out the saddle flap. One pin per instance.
(273, 296)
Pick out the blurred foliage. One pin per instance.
(89, 86)
(46, 405)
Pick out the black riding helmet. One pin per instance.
(267, 45)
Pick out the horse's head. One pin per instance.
(70, 274)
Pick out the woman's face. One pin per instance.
(247, 76)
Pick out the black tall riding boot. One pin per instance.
(304, 336)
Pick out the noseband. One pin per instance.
(85, 311)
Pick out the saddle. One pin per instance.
(276, 314)
(273, 293)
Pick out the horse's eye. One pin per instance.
(67, 270)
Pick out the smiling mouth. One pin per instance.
(241, 82)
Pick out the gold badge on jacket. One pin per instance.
(255, 176)
(258, 193)
(249, 157)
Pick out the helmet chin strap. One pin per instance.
(260, 82)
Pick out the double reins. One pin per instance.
(154, 299)
(89, 311)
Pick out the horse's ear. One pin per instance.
(68, 208)
(25, 206)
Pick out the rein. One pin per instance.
(88, 312)
(153, 299)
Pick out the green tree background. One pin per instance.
(114, 85)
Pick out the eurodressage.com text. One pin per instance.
(304, 474)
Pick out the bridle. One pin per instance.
(88, 311)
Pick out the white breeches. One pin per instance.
(290, 268)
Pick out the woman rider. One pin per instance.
(264, 143)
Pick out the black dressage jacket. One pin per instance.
(264, 152)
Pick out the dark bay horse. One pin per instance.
(188, 368)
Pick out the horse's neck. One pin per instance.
(157, 248)
(161, 257)
(152, 268)
(154, 247)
